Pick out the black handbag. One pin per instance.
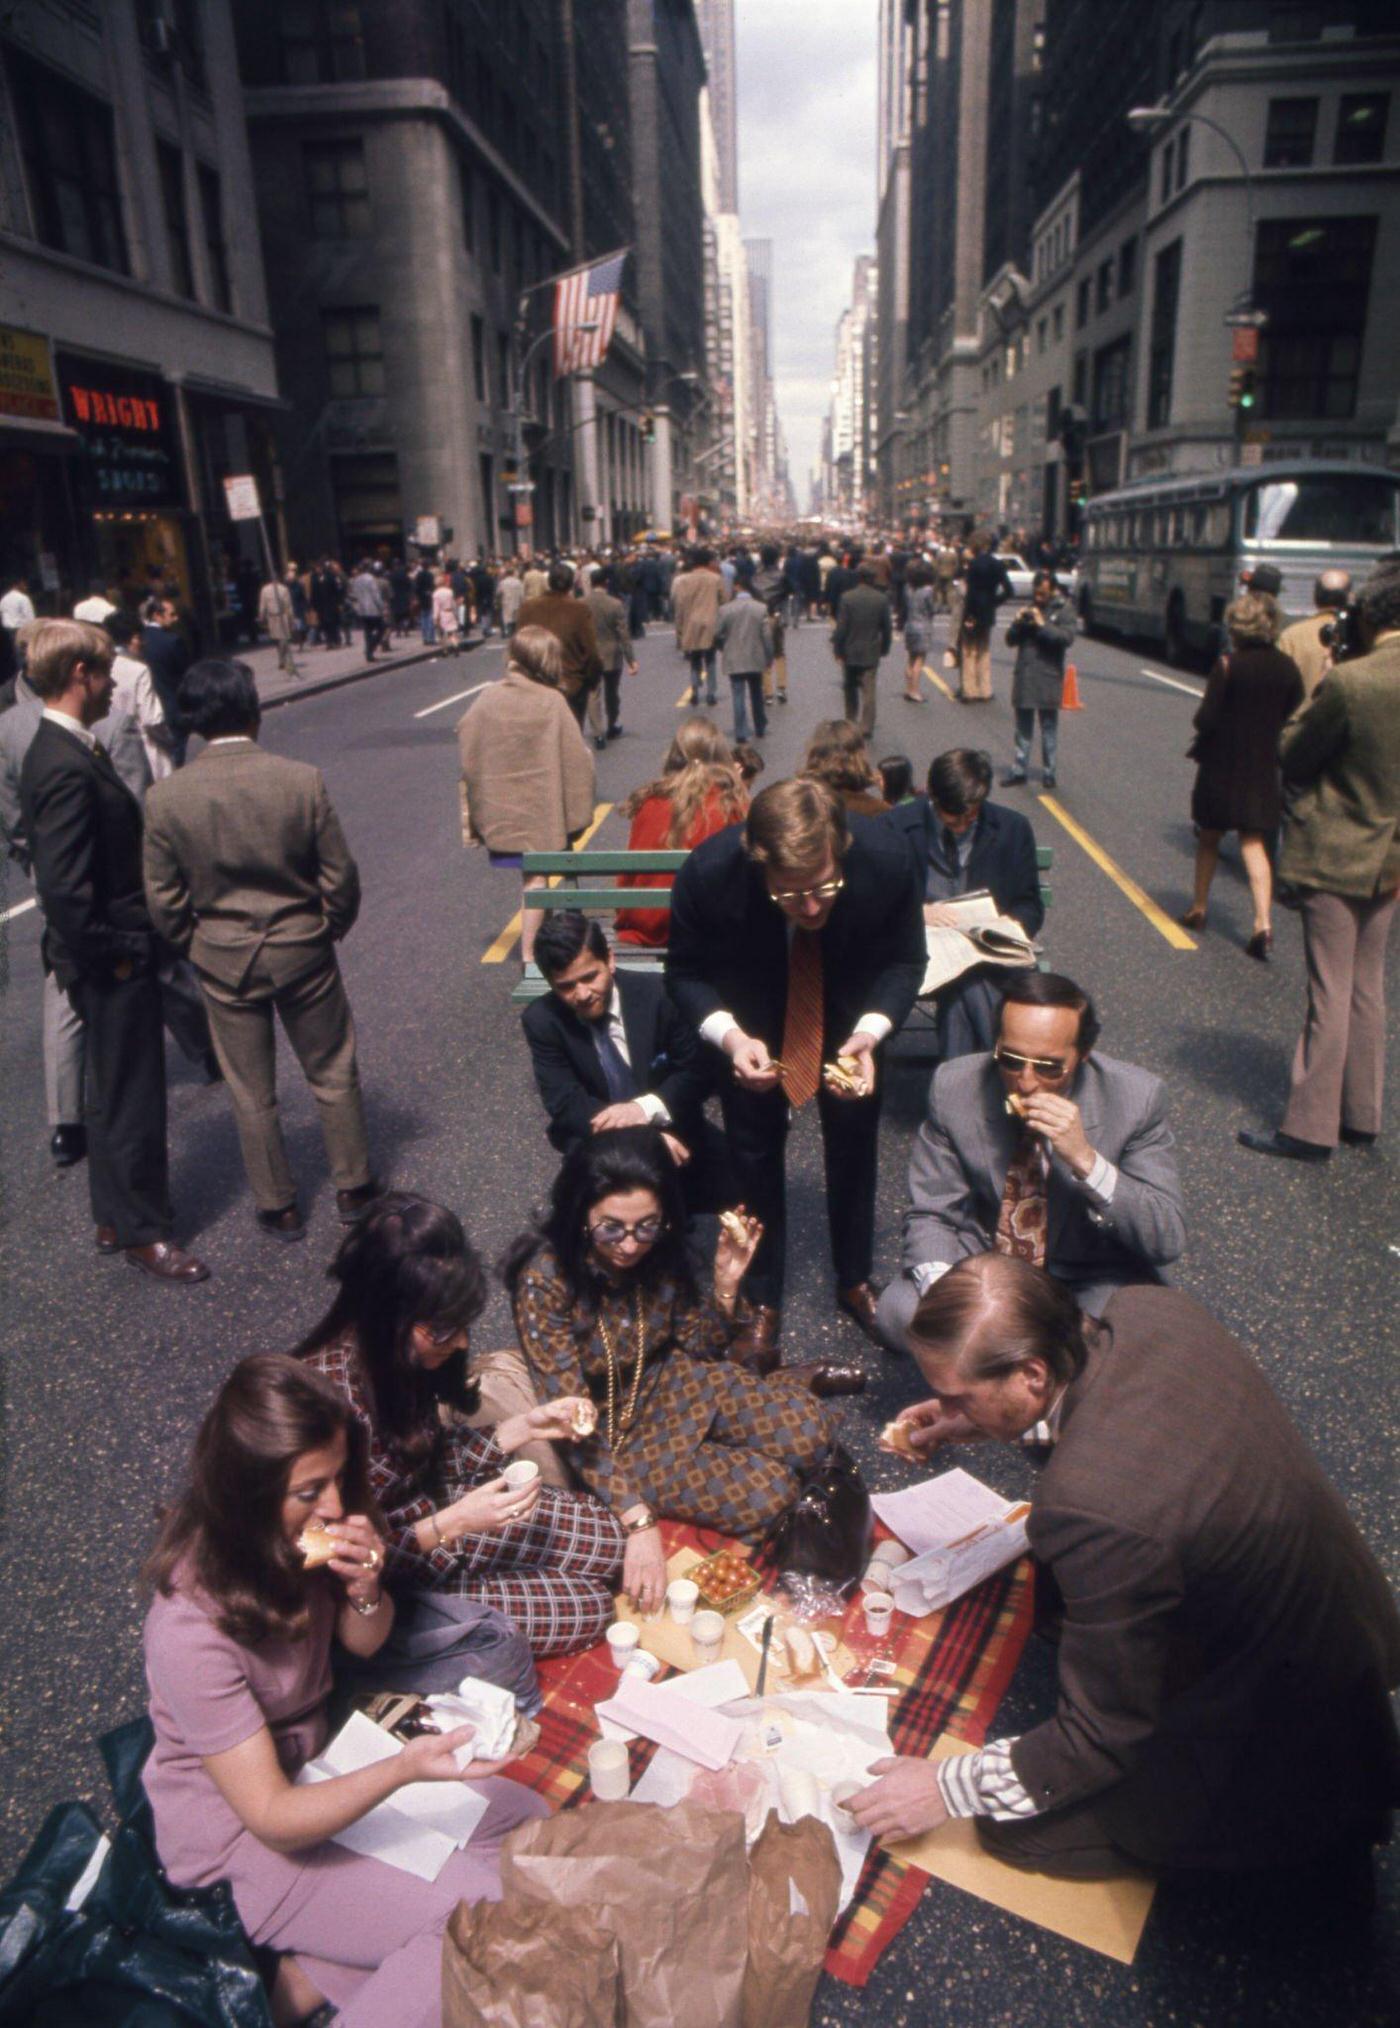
(829, 1530)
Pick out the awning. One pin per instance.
(28, 433)
(238, 397)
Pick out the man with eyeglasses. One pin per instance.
(796, 939)
(1043, 1150)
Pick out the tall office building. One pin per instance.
(895, 91)
(716, 20)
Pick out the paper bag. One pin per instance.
(794, 1890)
(670, 1884)
(528, 1966)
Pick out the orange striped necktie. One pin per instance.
(802, 1025)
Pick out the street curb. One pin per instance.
(317, 686)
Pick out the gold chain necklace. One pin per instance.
(618, 1427)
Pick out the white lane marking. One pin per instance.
(20, 908)
(1189, 688)
(456, 698)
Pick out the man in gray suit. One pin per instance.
(615, 650)
(248, 871)
(1044, 1150)
(864, 632)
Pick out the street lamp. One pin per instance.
(1146, 120)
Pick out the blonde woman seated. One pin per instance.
(837, 755)
(698, 792)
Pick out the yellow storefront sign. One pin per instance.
(27, 391)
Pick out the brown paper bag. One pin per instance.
(529, 1966)
(670, 1884)
(794, 1893)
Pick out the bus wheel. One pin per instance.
(1174, 633)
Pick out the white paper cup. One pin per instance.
(622, 1642)
(892, 1554)
(682, 1597)
(521, 1474)
(609, 1773)
(639, 1663)
(707, 1636)
(877, 1578)
(879, 1611)
(798, 1792)
(842, 1793)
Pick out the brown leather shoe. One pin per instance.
(107, 1241)
(754, 1345)
(859, 1303)
(353, 1204)
(167, 1262)
(825, 1377)
(287, 1224)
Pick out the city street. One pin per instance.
(107, 1372)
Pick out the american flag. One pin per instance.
(588, 296)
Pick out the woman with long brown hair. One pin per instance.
(837, 755)
(238, 1644)
(698, 792)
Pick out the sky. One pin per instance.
(806, 77)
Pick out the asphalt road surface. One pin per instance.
(106, 1373)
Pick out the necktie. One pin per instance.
(1021, 1221)
(617, 1072)
(802, 1026)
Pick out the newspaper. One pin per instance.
(983, 936)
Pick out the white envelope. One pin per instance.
(660, 1713)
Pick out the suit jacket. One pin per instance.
(83, 827)
(571, 624)
(957, 1173)
(864, 628)
(1342, 752)
(729, 941)
(610, 624)
(1228, 1638)
(1002, 858)
(245, 858)
(744, 636)
(664, 1048)
(119, 732)
(165, 654)
(696, 597)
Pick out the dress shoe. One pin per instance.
(599, 743)
(107, 1241)
(1047, 781)
(826, 1377)
(1012, 779)
(167, 1262)
(1354, 1138)
(68, 1145)
(754, 1345)
(287, 1223)
(1194, 918)
(353, 1204)
(1286, 1145)
(1260, 945)
(859, 1303)
(614, 732)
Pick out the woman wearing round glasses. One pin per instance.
(609, 1302)
(464, 1545)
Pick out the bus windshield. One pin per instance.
(1352, 510)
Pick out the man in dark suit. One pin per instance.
(962, 844)
(1085, 1184)
(864, 633)
(795, 940)
(1228, 1640)
(572, 626)
(167, 657)
(84, 831)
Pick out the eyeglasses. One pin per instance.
(612, 1231)
(1043, 1066)
(828, 891)
(443, 1334)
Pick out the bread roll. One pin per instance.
(1016, 1105)
(734, 1225)
(315, 1545)
(801, 1652)
(585, 1418)
(895, 1435)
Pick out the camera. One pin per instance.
(1342, 634)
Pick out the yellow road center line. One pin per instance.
(506, 941)
(1175, 935)
(940, 683)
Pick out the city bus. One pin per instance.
(1161, 558)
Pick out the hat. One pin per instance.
(1265, 577)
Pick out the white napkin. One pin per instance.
(487, 1706)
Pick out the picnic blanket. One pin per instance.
(951, 1669)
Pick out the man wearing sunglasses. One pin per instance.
(1044, 1150)
(798, 938)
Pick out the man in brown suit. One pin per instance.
(247, 871)
(696, 597)
(1309, 642)
(571, 623)
(1228, 1640)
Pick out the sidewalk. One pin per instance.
(323, 669)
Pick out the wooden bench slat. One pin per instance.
(609, 898)
(602, 862)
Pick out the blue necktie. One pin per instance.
(617, 1072)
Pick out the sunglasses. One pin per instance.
(1043, 1066)
(828, 891)
(612, 1231)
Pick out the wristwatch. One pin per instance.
(640, 1522)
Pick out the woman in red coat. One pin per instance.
(698, 792)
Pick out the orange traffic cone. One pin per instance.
(1070, 700)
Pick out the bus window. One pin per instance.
(1349, 508)
(1215, 524)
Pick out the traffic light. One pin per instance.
(1242, 387)
(648, 428)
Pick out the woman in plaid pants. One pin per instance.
(394, 1342)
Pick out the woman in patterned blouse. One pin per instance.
(608, 1302)
(395, 1343)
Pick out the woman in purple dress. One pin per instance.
(238, 1660)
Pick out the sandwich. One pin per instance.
(585, 1417)
(734, 1225)
(845, 1075)
(800, 1652)
(1016, 1105)
(896, 1436)
(315, 1545)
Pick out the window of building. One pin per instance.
(468, 208)
(1110, 409)
(1290, 134)
(1103, 292)
(1313, 278)
(211, 207)
(1183, 156)
(1052, 415)
(1168, 158)
(337, 189)
(488, 495)
(1361, 124)
(1042, 334)
(368, 503)
(1081, 305)
(1127, 266)
(1161, 357)
(503, 369)
(354, 352)
(1081, 378)
(70, 164)
(479, 358)
(322, 41)
(1057, 322)
(171, 164)
(493, 227)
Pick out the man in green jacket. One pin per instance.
(1341, 849)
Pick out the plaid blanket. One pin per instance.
(951, 1669)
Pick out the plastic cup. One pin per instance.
(622, 1643)
(641, 1665)
(879, 1611)
(521, 1474)
(707, 1636)
(682, 1597)
(609, 1772)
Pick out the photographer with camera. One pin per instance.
(1322, 638)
